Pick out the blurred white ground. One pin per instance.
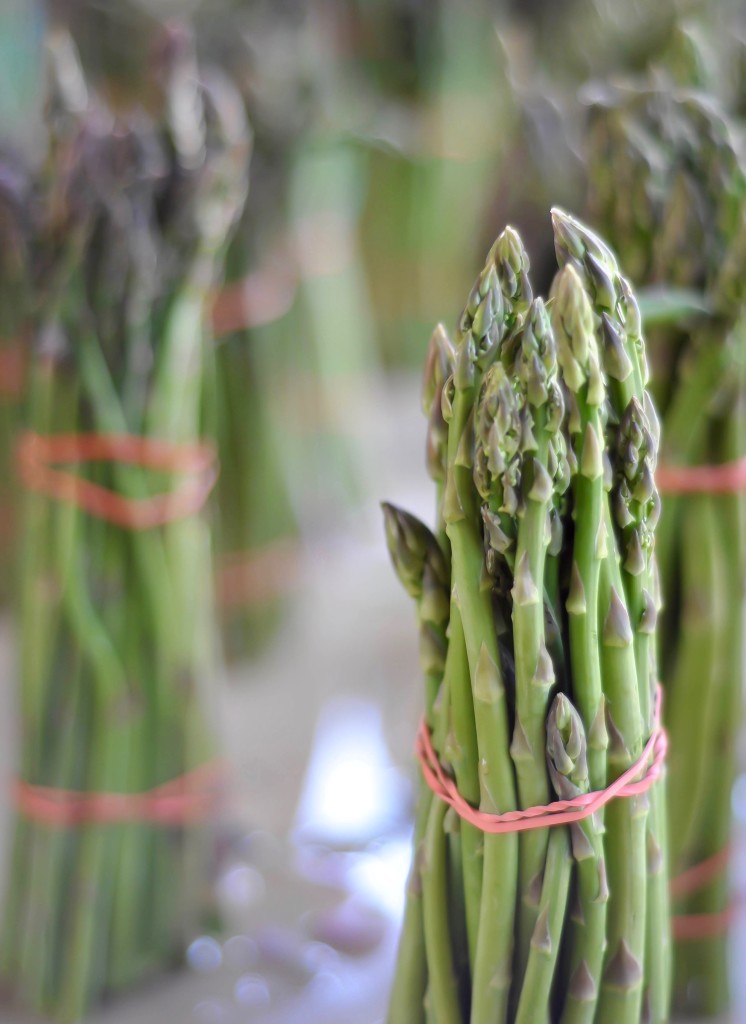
(320, 731)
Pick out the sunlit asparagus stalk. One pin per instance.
(545, 592)
(127, 239)
(679, 218)
(580, 362)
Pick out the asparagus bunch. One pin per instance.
(537, 605)
(128, 228)
(675, 210)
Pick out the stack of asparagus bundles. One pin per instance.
(537, 600)
(117, 774)
(675, 210)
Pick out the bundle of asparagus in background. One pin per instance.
(254, 538)
(668, 187)
(537, 601)
(127, 231)
(547, 52)
(431, 80)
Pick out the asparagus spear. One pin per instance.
(422, 568)
(579, 360)
(567, 757)
(496, 300)
(535, 372)
(568, 770)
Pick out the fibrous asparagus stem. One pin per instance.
(463, 755)
(423, 570)
(579, 359)
(481, 329)
(568, 770)
(535, 371)
(566, 752)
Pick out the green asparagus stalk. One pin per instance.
(567, 764)
(423, 570)
(536, 369)
(568, 768)
(579, 359)
(479, 333)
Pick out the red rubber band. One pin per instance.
(697, 877)
(186, 800)
(636, 780)
(12, 367)
(257, 299)
(726, 478)
(250, 577)
(197, 462)
(697, 927)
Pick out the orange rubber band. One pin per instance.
(257, 299)
(198, 463)
(635, 781)
(697, 877)
(188, 799)
(697, 927)
(726, 478)
(251, 577)
(12, 369)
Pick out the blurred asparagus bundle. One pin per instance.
(254, 536)
(127, 229)
(537, 602)
(549, 52)
(668, 188)
(430, 81)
